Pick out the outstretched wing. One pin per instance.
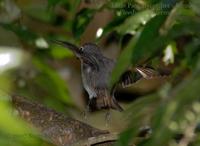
(132, 76)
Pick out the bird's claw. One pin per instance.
(107, 118)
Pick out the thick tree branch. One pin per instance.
(60, 129)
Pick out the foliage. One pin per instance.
(154, 27)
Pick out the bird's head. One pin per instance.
(89, 52)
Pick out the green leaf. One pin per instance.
(175, 107)
(141, 47)
(8, 122)
(21, 31)
(153, 1)
(40, 13)
(126, 136)
(195, 4)
(81, 21)
(53, 3)
(136, 112)
(13, 131)
(132, 23)
(192, 52)
(124, 60)
(185, 27)
(51, 82)
(111, 26)
(150, 40)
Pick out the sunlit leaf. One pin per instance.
(14, 129)
(113, 24)
(41, 43)
(8, 122)
(169, 53)
(10, 57)
(132, 23)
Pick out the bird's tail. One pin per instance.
(115, 105)
(108, 102)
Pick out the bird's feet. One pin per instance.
(85, 113)
(107, 117)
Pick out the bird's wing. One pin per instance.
(131, 76)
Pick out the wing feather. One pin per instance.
(132, 76)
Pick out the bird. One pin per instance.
(96, 70)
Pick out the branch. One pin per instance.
(60, 129)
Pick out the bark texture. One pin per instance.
(60, 129)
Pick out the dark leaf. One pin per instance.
(21, 31)
(81, 20)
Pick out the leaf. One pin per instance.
(21, 31)
(167, 108)
(122, 10)
(126, 136)
(39, 13)
(9, 11)
(111, 26)
(169, 53)
(132, 23)
(81, 20)
(11, 127)
(185, 28)
(149, 42)
(141, 48)
(195, 4)
(53, 3)
(10, 58)
(192, 52)
(7, 122)
(137, 48)
(136, 112)
(153, 1)
(124, 60)
(52, 82)
(174, 108)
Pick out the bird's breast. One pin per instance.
(88, 80)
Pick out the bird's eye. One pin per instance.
(81, 49)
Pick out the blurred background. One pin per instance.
(162, 34)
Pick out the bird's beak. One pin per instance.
(68, 45)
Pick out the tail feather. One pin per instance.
(108, 102)
(115, 105)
